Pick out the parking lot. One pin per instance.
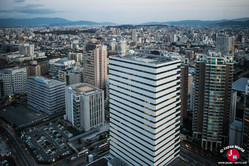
(48, 142)
(21, 115)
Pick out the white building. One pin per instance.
(145, 109)
(85, 106)
(26, 49)
(14, 80)
(78, 57)
(47, 95)
(225, 44)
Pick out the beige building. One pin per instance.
(95, 65)
(37, 69)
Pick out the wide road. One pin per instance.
(194, 159)
(20, 154)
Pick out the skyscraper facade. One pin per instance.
(184, 90)
(145, 106)
(211, 116)
(95, 65)
(198, 96)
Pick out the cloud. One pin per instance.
(30, 9)
(19, 0)
(34, 9)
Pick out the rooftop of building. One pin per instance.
(150, 58)
(116, 161)
(240, 84)
(108, 161)
(83, 88)
(45, 80)
(102, 162)
(12, 69)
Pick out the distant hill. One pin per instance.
(199, 22)
(234, 23)
(12, 22)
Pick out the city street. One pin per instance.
(194, 159)
(20, 154)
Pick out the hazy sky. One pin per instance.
(126, 11)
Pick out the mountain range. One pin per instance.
(224, 22)
(12, 22)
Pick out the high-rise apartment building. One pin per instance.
(213, 99)
(145, 106)
(184, 90)
(1, 88)
(14, 80)
(47, 95)
(225, 44)
(245, 133)
(198, 96)
(85, 106)
(134, 35)
(95, 65)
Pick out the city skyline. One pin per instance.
(126, 12)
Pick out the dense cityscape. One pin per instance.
(135, 94)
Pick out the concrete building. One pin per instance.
(1, 88)
(71, 76)
(184, 90)
(225, 44)
(134, 35)
(190, 81)
(245, 132)
(27, 49)
(190, 55)
(14, 80)
(46, 95)
(85, 106)
(145, 109)
(78, 57)
(213, 99)
(235, 133)
(95, 65)
(199, 89)
(192, 97)
(37, 68)
(173, 38)
(239, 93)
(55, 65)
